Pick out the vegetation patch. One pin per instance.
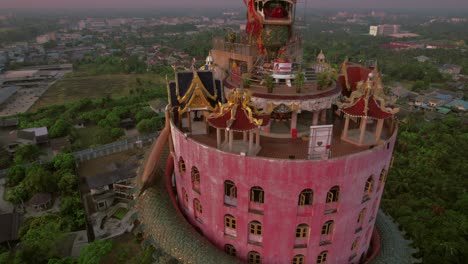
(120, 213)
(73, 88)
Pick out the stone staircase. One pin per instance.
(310, 74)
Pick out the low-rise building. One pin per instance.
(36, 135)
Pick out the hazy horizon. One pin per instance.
(136, 4)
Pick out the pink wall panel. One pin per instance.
(282, 182)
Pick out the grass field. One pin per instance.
(72, 88)
(120, 213)
(87, 136)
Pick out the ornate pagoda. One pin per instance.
(238, 115)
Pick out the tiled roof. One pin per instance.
(373, 110)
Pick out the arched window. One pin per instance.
(230, 250)
(197, 208)
(322, 257)
(331, 204)
(302, 231)
(355, 244)
(256, 194)
(182, 168)
(383, 177)
(305, 197)
(184, 197)
(254, 257)
(333, 194)
(327, 228)
(195, 179)
(361, 216)
(360, 220)
(255, 233)
(298, 259)
(368, 189)
(230, 193)
(255, 228)
(230, 225)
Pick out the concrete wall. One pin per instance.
(282, 182)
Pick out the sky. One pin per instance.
(400, 4)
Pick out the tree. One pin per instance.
(326, 78)
(40, 239)
(117, 132)
(94, 252)
(27, 153)
(16, 174)
(17, 195)
(59, 129)
(72, 212)
(68, 183)
(39, 179)
(419, 86)
(64, 162)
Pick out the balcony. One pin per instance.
(325, 240)
(230, 201)
(229, 232)
(331, 208)
(255, 240)
(256, 208)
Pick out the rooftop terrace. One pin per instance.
(278, 143)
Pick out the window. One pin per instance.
(184, 197)
(327, 228)
(361, 216)
(256, 195)
(306, 197)
(368, 189)
(254, 257)
(181, 166)
(255, 233)
(302, 231)
(230, 222)
(298, 259)
(383, 177)
(230, 250)
(332, 199)
(195, 179)
(322, 257)
(198, 210)
(255, 228)
(354, 246)
(230, 225)
(333, 194)
(230, 193)
(360, 220)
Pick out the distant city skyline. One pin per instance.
(423, 4)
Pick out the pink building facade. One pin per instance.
(266, 210)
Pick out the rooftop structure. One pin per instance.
(275, 164)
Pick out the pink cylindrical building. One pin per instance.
(293, 174)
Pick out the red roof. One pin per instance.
(240, 122)
(355, 73)
(374, 110)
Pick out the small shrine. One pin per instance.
(365, 105)
(193, 94)
(240, 117)
(321, 65)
